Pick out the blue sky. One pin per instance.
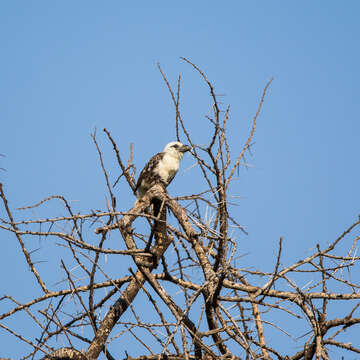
(67, 68)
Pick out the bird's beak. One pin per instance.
(184, 148)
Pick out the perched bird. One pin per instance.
(161, 168)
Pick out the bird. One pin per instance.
(160, 169)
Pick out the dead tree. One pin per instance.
(202, 305)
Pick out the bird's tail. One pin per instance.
(156, 206)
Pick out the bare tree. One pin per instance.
(183, 268)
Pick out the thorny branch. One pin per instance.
(203, 305)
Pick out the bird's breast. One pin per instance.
(168, 168)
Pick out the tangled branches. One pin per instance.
(195, 303)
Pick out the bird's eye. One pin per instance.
(175, 146)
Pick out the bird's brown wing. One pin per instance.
(148, 172)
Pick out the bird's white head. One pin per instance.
(176, 149)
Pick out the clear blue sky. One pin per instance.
(67, 67)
